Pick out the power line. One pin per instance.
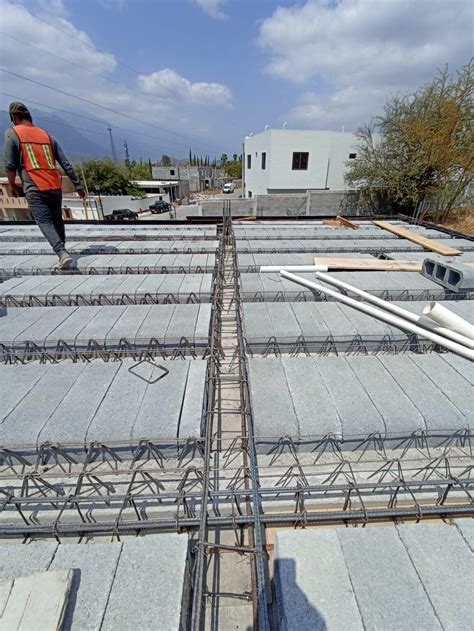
(94, 120)
(108, 109)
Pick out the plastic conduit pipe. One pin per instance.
(449, 320)
(400, 311)
(384, 316)
(293, 268)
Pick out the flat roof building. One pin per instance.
(294, 161)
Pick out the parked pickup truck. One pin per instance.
(159, 207)
(123, 214)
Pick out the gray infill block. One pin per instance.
(150, 584)
(100, 324)
(445, 566)
(128, 324)
(312, 402)
(257, 321)
(156, 323)
(182, 323)
(388, 590)
(272, 407)
(201, 332)
(400, 416)
(23, 425)
(94, 568)
(160, 408)
(452, 383)
(466, 528)
(71, 419)
(24, 559)
(431, 399)
(313, 588)
(16, 381)
(358, 414)
(284, 322)
(192, 410)
(463, 366)
(119, 408)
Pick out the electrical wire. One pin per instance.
(104, 107)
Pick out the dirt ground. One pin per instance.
(462, 220)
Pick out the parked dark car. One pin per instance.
(122, 214)
(160, 207)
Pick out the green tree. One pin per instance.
(234, 157)
(106, 176)
(139, 171)
(190, 158)
(165, 160)
(234, 168)
(421, 150)
(223, 159)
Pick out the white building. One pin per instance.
(294, 161)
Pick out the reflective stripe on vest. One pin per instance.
(37, 154)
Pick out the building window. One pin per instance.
(264, 160)
(171, 171)
(352, 156)
(300, 161)
(249, 161)
(250, 193)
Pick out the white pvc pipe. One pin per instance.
(384, 316)
(446, 318)
(293, 268)
(399, 311)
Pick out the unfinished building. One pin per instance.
(188, 441)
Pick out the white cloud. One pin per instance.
(349, 55)
(48, 48)
(212, 8)
(168, 84)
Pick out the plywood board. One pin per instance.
(37, 601)
(332, 222)
(429, 244)
(372, 264)
(347, 223)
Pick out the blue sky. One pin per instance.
(211, 71)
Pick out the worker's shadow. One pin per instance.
(294, 611)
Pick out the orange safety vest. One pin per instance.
(38, 157)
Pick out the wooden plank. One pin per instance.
(429, 244)
(37, 601)
(347, 223)
(373, 264)
(332, 222)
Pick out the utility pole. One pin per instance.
(114, 153)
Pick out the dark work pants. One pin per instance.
(45, 206)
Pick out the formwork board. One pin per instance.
(89, 330)
(84, 402)
(330, 327)
(108, 589)
(387, 285)
(413, 576)
(251, 262)
(103, 289)
(82, 248)
(353, 397)
(27, 265)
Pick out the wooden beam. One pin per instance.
(428, 244)
(332, 222)
(368, 264)
(347, 223)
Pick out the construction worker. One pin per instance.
(30, 151)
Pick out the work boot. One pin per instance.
(65, 260)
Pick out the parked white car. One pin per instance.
(228, 187)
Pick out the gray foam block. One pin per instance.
(388, 590)
(192, 410)
(466, 529)
(271, 402)
(445, 566)
(313, 587)
(94, 568)
(149, 584)
(24, 559)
